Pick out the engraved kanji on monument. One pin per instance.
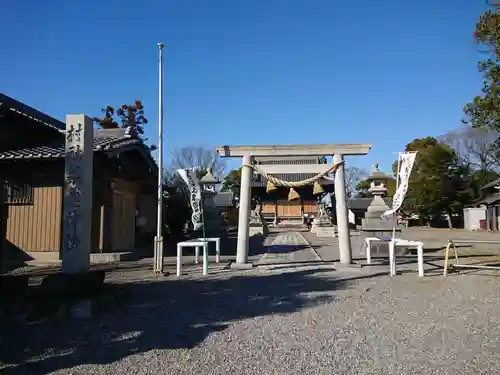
(77, 200)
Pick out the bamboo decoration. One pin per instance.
(318, 189)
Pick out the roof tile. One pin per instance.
(103, 141)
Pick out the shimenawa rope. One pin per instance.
(279, 182)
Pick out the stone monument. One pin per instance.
(373, 224)
(322, 224)
(77, 199)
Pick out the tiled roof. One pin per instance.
(491, 184)
(489, 199)
(104, 140)
(29, 112)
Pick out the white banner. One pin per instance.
(189, 177)
(405, 162)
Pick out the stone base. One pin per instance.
(379, 232)
(76, 286)
(241, 266)
(320, 223)
(257, 230)
(376, 222)
(110, 257)
(322, 231)
(351, 266)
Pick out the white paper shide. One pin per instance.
(189, 177)
(406, 161)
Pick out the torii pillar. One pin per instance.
(249, 152)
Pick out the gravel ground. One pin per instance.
(295, 320)
(292, 318)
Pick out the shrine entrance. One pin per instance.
(250, 154)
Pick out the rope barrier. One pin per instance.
(279, 182)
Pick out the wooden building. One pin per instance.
(276, 204)
(124, 185)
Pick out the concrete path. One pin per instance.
(288, 247)
(327, 248)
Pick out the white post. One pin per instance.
(244, 211)
(392, 255)
(196, 254)
(217, 250)
(205, 258)
(158, 245)
(342, 212)
(77, 201)
(179, 260)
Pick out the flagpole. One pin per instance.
(158, 245)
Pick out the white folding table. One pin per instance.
(197, 244)
(208, 239)
(392, 246)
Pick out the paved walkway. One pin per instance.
(288, 247)
(327, 248)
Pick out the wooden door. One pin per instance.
(123, 221)
(289, 209)
(128, 221)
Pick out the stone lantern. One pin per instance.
(373, 223)
(210, 212)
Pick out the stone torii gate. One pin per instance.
(249, 152)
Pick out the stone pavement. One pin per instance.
(288, 247)
(327, 248)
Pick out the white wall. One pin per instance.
(472, 217)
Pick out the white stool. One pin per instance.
(392, 258)
(208, 239)
(196, 245)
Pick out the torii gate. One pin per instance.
(249, 152)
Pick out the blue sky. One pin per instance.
(252, 72)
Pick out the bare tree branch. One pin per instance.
(198, 157)
(476, 148)
(353, 176)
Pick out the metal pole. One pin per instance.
(158, 246)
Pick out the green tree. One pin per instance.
(484, 111)
(434, 181)
(232, 181)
